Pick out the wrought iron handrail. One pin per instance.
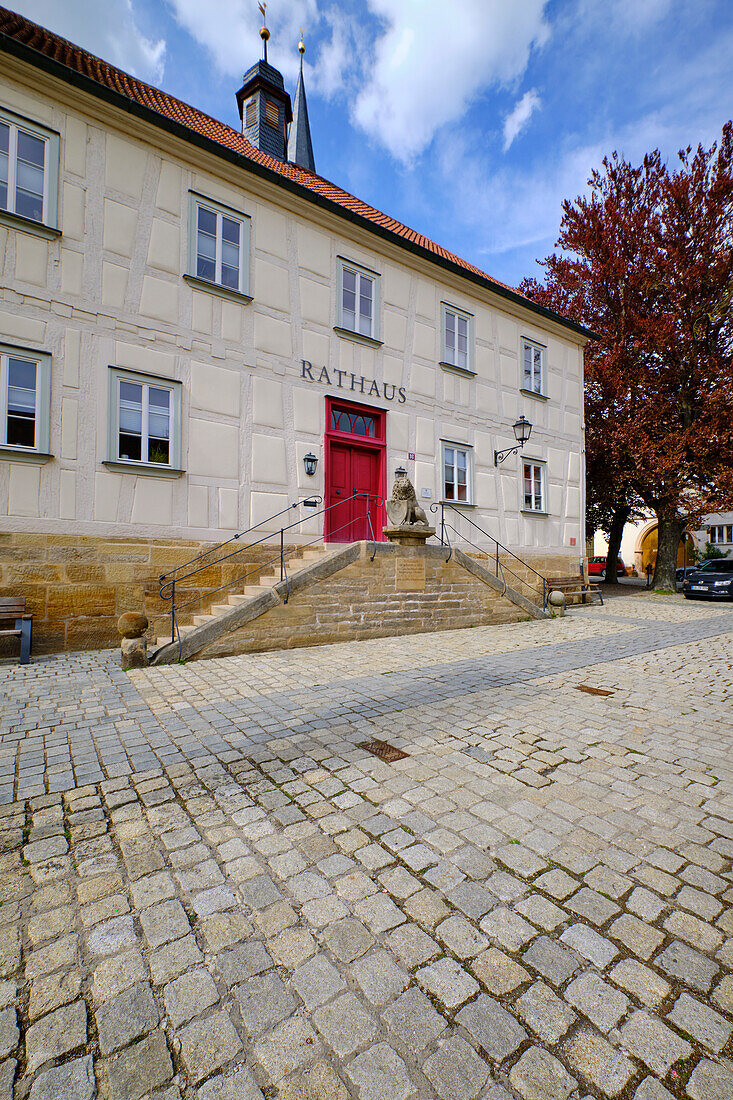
(168, 583)
(233, 538)
(499, 566)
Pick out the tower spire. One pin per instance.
(300, 146)
(264, 33)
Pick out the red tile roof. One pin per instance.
(14, 29)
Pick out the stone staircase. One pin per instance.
(254, 596)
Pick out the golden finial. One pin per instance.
(264, 33)
(301, 44)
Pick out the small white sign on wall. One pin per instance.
(426, 493)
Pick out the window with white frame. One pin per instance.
(219, 246)
(25, 386)
(721, 533)
(358, 300)
(534, 486)
(28, 169)
(457, 473)
(533, 367)
(145, 419)
(457, 338)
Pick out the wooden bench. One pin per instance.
(576, 587)
(12, 609)
(583, 590)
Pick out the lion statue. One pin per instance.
(402, 507)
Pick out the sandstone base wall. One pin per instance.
(76, 587)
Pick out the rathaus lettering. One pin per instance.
(345, 380)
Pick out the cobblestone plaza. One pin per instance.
(211, 890)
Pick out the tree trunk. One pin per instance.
(670, 529)
(615, 535)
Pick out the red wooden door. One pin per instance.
(365, 475)
(353, 488)
(338, 495)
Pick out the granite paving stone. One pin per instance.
(710, 1081)
(701, 1022)
(446, 980)
(189, 996)
(126, 1017)
(380, 1074)
(346, 1024)
(207, 1044)
(544, 1012)
(538, 1075)
(455, 1070)
(413, 1020)
(595, 999)
(72, 1081)
(534, 904)
(492, 1027)
(595, 1060)
(657, 1046)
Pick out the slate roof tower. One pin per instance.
(300, 146)
(264, 105)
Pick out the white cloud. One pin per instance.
(411, 65)
(107, 28)
(230, 32)
(434, 58)
(517, 119)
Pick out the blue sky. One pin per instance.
(469, 120)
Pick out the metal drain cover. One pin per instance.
(384, 751)
(591, 690)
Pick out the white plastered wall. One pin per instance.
(110, 291)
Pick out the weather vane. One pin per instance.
(264, 33)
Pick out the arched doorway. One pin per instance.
(647, 542)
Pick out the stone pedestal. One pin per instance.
(132, 627)
(134, 653)
(408, 534)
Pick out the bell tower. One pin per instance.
(300, 146)
(264, 105)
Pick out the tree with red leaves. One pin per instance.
(647, 264)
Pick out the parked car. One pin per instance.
(713, 580)
(597, 568)
(688, 570)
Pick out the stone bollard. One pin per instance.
(557, 601)
(132, 627)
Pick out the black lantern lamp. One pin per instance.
(310, 462)
(522, 432)
(400, 472)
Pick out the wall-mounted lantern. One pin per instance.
(310, 462)
(400, 472)
(522, 432)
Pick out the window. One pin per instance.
(457, 473)
(145, 417)
(272, 113)
(534, 487)
(533, 367)
(219, 246)
(28, 169)
(25, 389)
(721, 533)
(457, 338)
(358, 300)
(251, 115)
(355, 423)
